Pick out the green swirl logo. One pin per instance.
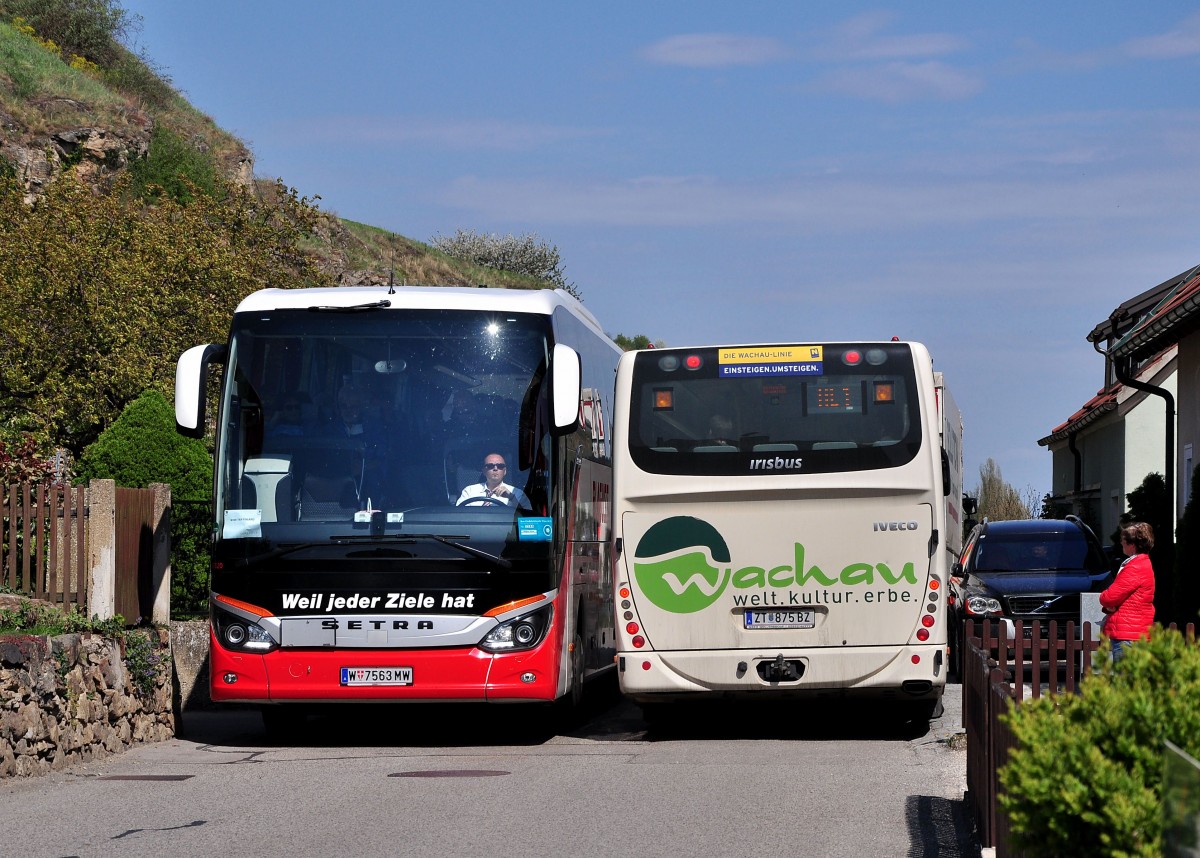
(675, 564)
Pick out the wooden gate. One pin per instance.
(133, 595)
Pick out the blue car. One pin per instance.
(1031, 569)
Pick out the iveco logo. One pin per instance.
(895, 525)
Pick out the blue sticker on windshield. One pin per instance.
(535, 529)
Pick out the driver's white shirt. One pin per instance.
(480, 490)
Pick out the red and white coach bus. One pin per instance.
(361, 549)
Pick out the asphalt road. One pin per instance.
(790, 780)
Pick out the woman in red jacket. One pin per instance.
(1129, 600)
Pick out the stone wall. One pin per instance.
(74, 698)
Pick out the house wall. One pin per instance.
(1100, 499)
(1145, 425)
(1187, 405)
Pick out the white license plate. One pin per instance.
(780, 619)
(377, 676)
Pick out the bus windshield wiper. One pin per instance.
(277, 552)
(357, 539)
(354, 308)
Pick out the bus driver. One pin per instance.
(491, 488)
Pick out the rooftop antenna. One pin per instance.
(392, 267)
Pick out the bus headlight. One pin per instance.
(522, 633)
(240, 635)
(982, 605)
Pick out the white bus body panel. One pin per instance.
(870, 547)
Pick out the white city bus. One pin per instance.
(785, 519)
(360, 551)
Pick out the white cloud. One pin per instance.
(1183, 41)
(836, 205)
(898, 82)
(715, 50)
(861, 38)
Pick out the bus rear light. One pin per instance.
(645, 665)
(927, 621)
(916, 659)
(934, 584)
(623, 592)
(639, 641)
(632, 628)
(922, 634)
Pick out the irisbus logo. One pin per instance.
(682, 564)
(674, 564)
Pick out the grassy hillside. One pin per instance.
(52, 99)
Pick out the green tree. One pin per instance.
(1149, 503)
(640, 341)
(525, 254)
(1187, 557)
(998, 500)
(100, 293)
(1086, 775)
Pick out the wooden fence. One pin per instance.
(999, 671)
(45, 545)
(104, 550)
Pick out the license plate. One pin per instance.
(377, 676)
(780, 619)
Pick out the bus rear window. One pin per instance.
(779, 409)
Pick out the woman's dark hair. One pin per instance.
(1138, 534)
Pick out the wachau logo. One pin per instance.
(679, 573)
(682, 564)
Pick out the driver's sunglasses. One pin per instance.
(495, 466)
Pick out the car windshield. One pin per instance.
(1035, 552)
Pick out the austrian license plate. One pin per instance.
(377, 676)
(804, 619)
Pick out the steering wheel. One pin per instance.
(481, 500)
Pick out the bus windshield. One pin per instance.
(784, 409)
(418, 432)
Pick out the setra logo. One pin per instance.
(675, 564)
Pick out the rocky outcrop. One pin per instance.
(96, 153)
(75, 698)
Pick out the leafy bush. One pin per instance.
(525, 254)
(39, 618)
(142, 447)
(92, 29)
(1086, 775)
(173, 168)
(20, 462)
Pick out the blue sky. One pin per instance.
(990, 180)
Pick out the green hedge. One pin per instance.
(1086, 775)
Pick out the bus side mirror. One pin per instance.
(565, 388)
(191, 387)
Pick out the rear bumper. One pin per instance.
(844, 671)
(314, 675)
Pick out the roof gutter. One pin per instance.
(1123, 364)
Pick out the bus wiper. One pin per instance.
(355, 539)
(354, 308)
(277, 552)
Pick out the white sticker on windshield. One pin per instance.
(242, 524)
